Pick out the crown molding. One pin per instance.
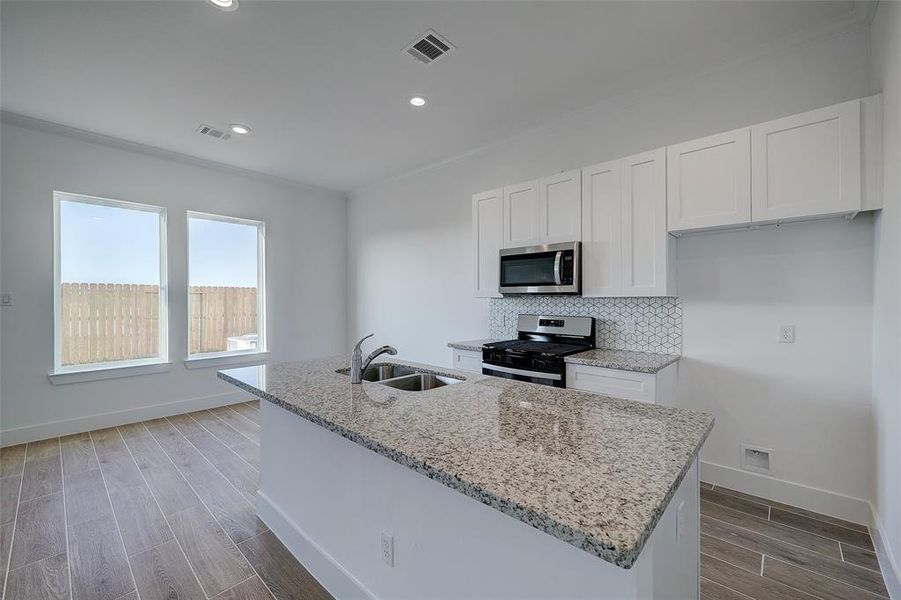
(859, 16)
(20, 120)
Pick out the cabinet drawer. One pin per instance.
(468, 360)
(611, 382)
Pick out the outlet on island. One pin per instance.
(387, 549)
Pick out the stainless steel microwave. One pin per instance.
(545, 269)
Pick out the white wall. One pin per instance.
(808, 401)
(886, 37)
(306, 257)
(410, 257)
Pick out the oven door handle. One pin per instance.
(557, 261)
(524, 373)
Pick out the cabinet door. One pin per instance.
(709, 181)
(468, 360)
(521, 215)
(602, 229)
(612, 382)
(807, 164)
(560, 207)
(645, 239)
(487, 230)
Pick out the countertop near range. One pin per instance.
(473, 345)
(593, 471)
(624, 360)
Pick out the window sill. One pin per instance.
(226, 360)
(112, 372)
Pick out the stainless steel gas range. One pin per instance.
(537, 353)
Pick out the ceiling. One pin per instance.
(324, 85)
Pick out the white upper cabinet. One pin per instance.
(648, 251)
(602, 229)
(560, 207)
(521, 214)
(709, 182)
(543, 211)
(487, 234)
(807, 165)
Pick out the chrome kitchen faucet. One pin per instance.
(357, 366)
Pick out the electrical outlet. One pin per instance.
(388, 549)
(680, 522)
(6, 299)
(786, 334)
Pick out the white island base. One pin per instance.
(329, 500)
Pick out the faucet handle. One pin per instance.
(359, 344)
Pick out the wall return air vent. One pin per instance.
(429, 47)
(212, 132)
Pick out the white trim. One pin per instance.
(101, 371)
(262, 337)
(42, 431)
(163, 343)
(27, 122)
(818, 500)
(327, 571)
(891, 571)
(855, 20)
(223, 359)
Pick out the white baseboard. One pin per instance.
(887, 560)
(825, 502)
(321, 565)
(42, 431)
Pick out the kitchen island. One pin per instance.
(483, 488)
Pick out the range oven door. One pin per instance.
(539, 377)
(546, 269)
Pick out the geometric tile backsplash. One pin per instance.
(644, 324)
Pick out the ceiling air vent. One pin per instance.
(212, 132)
(428, 47)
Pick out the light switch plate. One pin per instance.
(6, 299)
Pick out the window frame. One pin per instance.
(262, 349)
(163, 357)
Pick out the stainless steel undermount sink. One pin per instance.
(404, 378)
(419, 382)
(383, 372)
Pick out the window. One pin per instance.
(109, 284)
(226, 286)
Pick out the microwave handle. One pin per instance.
(557, 260)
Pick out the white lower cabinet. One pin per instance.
(468, 360)
(657, 388)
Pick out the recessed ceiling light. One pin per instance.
(239, 128)
(418, 101)
(224, 4)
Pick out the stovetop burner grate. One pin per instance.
(535, 347)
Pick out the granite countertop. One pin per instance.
(624, 360)
(474, 345)
(593, 471)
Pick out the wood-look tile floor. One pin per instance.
(164, 509)
(756, 548)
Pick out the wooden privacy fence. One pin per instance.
(103, 322)
(218, 313)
